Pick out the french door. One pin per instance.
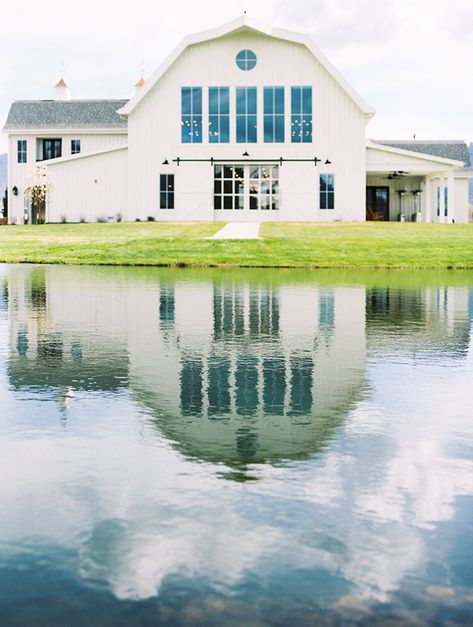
(246, 190)
(378, 199)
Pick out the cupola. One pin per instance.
(62, 91)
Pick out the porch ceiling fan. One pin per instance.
(397, 174)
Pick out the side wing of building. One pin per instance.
(52, 132)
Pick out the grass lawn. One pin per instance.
(320, 245)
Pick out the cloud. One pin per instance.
(410, 60)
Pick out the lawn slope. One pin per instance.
(316, 245)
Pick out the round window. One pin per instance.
(246, 60)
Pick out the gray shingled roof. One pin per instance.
(64, 114)
(457, 150)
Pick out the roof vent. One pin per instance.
(62, 91)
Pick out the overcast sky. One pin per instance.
(410, 59)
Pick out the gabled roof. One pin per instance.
(456, 150)
(412, 153)
(240, 25)
(65, 114)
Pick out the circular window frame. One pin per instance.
(246, 60)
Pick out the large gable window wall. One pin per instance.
(274, 115)
(219, 115)
(246, 115)
(191, 115)
(301, 115)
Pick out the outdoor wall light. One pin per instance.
(165, 162)
(328, 162)
(246, 154)
(15, 190)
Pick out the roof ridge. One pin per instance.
(73, 100)
(420, 141)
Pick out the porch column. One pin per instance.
(443, 186)
(451, 196)
(425, 200)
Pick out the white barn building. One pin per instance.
(240, 123)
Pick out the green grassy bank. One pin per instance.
(334, 245)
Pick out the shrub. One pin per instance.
(119, 217)
(82, 219)
(151, 219)
(63, 218)
(101, 219)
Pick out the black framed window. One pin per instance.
(301, 118)
(52, 149)
(246, 115)
(246, 60)
(327, 191)
(75, 146)
(21, 151)
(274, 114)
(166, 191)
(191, 115)
(219, 115)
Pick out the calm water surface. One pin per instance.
(235, 448)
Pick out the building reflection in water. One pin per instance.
(265, 373)
(191, 386)
(167, 306)
(63, 338)
(219, 385)
(229, 371)
(421, 320)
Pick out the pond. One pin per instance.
(234, 447)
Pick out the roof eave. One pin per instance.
(83, 155)
(68, 130)
(233, 26)
(412, 153)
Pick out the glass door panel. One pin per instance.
(243, 187)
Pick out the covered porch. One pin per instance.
(406, 186)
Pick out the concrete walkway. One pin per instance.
(238, 230)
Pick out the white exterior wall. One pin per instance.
(461, 201)
(18, 173)
(338, 134)
(457, 199)
(88, 187)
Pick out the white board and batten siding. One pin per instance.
(89, 188)
(154, 133)
(19, 174)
